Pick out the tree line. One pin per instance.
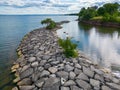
(108, 12)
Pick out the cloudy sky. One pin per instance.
(47, 6)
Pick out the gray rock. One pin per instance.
(98, 71)
(83, 77)
(32, 59)
(69, 83)
(52, 84)
(68, 68)
(106, 88)
(77, 71)
(39, 83)
(59, 59)
(77, 66)
(62, 74)
(88, 72)
(26, 73)
(35, 76)
(46, 57)
(114, 86)
(65, 88)
(115, 80)
(25, 68)
(53, 69)
(55, 62)
(47, 66)
(72, 75)
(34, 64)
(45, 73)
(83, 84)
(53, 75)
(27, 87)
(98, 77)
(26, 81)
(75, 88)
(40, 68)
(95, 83)
(42, 62)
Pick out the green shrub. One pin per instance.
(68, 47)
(49, 22)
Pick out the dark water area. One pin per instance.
(12, 30)
(100, 43)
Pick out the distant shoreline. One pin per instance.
(101, 23)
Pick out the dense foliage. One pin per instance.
(109, 12)
(49, 22)
(68, 47)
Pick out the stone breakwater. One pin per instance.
(42, 66)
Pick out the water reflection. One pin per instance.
(100, 43)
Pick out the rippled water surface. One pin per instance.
(101, 44)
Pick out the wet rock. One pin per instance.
(53, 69)
(69, 83)
(83, 84)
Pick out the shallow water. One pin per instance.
(101, 44)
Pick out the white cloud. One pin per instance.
(46, 6)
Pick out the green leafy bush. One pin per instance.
(68, 47)
(49, 22)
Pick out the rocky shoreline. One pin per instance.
(42, 66)
(101, 23)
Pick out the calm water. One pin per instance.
(101, 44)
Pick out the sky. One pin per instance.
(47, 6)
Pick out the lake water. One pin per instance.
(101, 44)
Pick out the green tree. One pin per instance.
(101, 11)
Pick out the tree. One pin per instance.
(50, 23)
(101, 11)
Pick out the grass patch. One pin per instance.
(97, 18)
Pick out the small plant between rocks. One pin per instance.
(49, 22)
(68, 47)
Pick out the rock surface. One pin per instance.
(43, 66)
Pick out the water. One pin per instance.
(101, 44)
(12, 30)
